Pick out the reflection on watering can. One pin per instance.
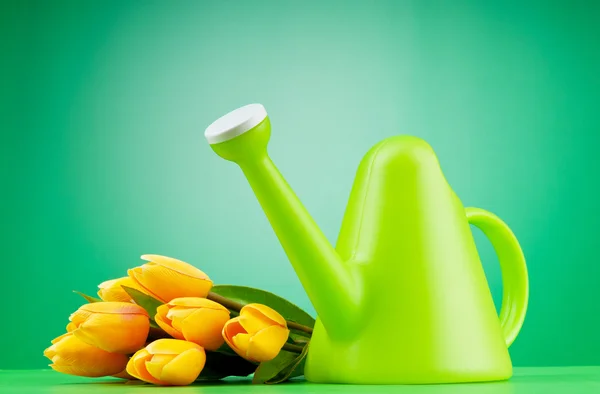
(403, 297)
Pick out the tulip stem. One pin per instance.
(295, 326)
(226, 302)
(292, 348)
(237, 306)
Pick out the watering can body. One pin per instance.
(403, 297)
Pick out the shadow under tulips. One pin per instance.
(300, 385)
(139, 387)
(526, 380)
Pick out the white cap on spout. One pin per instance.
(235, 123)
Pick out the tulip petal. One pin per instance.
(84, 336)
(77, 371)
(204, 327)
(71, 327)
(80, 371)
(242, 342)
(162, 313)
(163, 358)
(131, 364)
(109, 291)
(168, 329)
(137, 367)
(50, 352)
(165, 323)
(119, 308)
(170, 346)
(265, 311)
(62, 361)
(175, 265)
(185, 368)
(157, 363)
(254, 322)
(154, 369)
(115, 333)
(107, 284)
(167, 284)
(78, 317)
(131, 367)
(69, 348)
(196, 302)
(112, 290)
(79, 358)
(177, 315)
(163, 310)
(58, 339)
(266, 344)
(136, 274)
(231, 329)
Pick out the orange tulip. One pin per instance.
(72, 356)
(166, 278)
(194, 319)
(168, 362)
(257, 334)
(112, 290)
(116, 327)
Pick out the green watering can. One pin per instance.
(403, 298)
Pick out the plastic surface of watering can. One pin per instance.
(403, 297)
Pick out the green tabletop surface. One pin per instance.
(571, 380)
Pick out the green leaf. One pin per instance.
(219, 366)
(294, 337)
(88, 298)
(249, 295)
(147, 302)
(226, 349)
(294, 370)
(285, 366)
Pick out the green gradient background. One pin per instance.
(103, 157)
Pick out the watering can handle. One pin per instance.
(514, 271)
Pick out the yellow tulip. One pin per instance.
(72, 356)
(116, 327)
(257, 334)
(112, 290)
(168, 362)
(166, 278)
(194, 319)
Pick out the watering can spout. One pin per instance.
(241, 136)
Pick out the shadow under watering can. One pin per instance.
(403, 297)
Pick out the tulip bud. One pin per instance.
(194, 319)
(72, 356)
(257, 334)
(168, 362)
(116, 327)
(166, 278)
(112, 290)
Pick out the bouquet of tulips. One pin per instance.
(166, 324)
